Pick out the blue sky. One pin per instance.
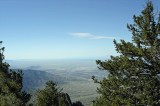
(57, 29)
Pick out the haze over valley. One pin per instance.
(73, 76)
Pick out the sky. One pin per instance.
(65, 29)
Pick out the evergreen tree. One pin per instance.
(134, 75)
(51, 96)
(11, 84)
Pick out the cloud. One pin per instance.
(82, 35)
(90, 36)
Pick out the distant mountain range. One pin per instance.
(34, 79)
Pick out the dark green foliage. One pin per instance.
(51, 96)
(11, 93)
(133, 78)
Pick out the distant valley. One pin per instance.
(73, 76)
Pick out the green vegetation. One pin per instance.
(11, 84)
(133, 78)
(51, 96)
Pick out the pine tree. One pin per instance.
(11, 84)
(52, 96)
(134, 75)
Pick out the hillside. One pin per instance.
(34, 79)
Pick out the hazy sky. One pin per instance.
(48, 29)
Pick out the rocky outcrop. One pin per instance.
(66, 99)
(78, 103)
